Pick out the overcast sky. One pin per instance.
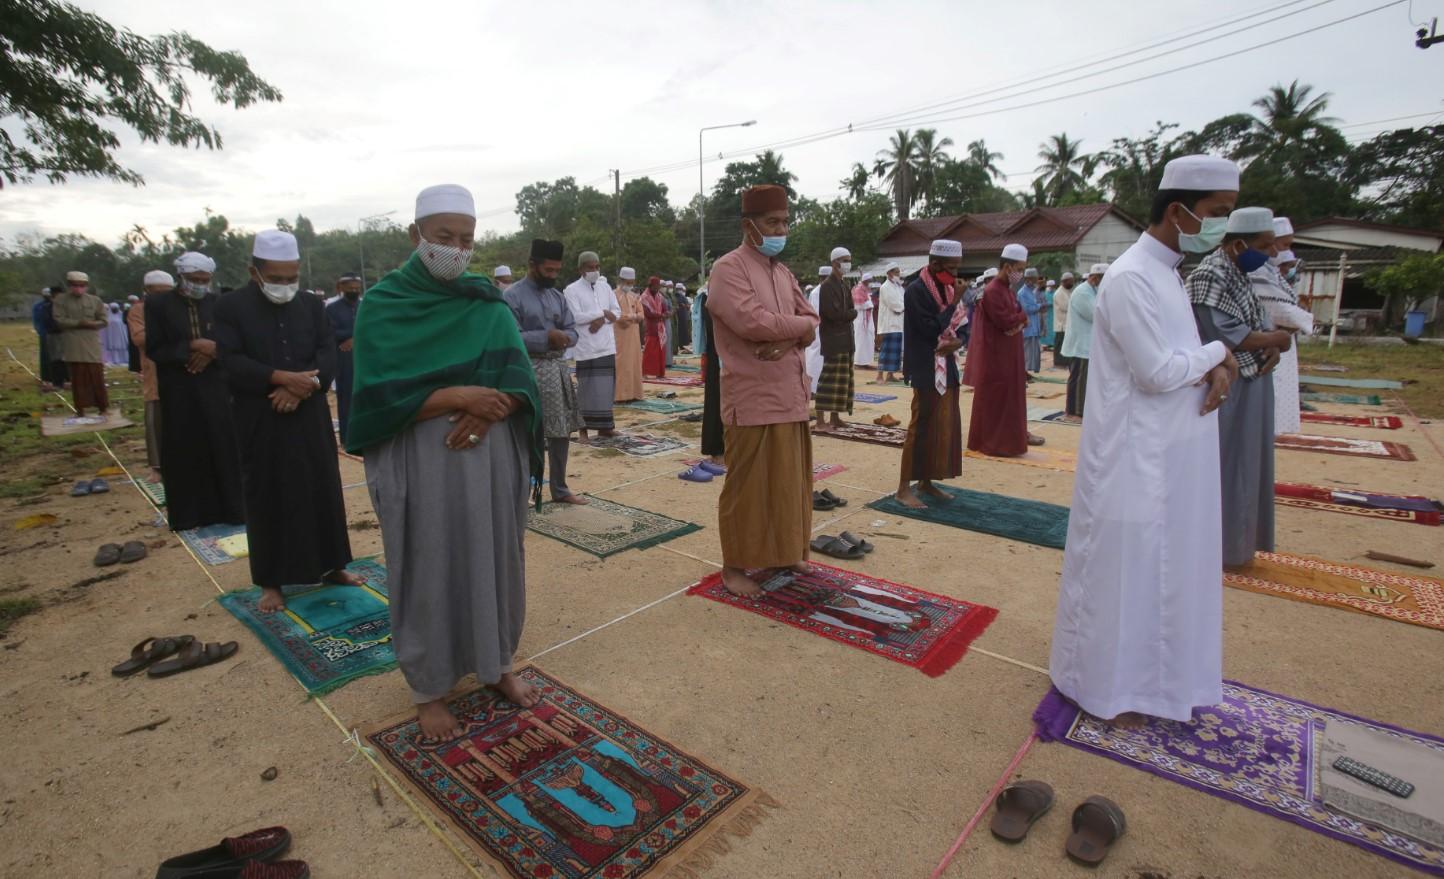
(383, 98)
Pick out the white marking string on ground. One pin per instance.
(1018, 662)
(593, 631)
(633, 482)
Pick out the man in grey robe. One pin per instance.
(1228, 310)
(548, 330)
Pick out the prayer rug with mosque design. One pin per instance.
(866, 433)
(823, 471)
(211, 541)
(1348, 399)
(638, 445)
(1338, 445)
(569, 789)
(1408, 598)
(1382, 422)
(1014, 518)
(327, 636)
(927, 631)
(1375, 505)
(680, 381)
(68, 423)
(661, 407)
(1258, 749)
(604, 527)
(861, 397)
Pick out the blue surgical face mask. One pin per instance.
(1291, 274)
(1251, 260)
(771, 244)
(1209, 235)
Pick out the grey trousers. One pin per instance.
(557, 452)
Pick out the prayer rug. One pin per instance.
(341, 450)
(866, 433)
(1258, 749)
(638, 445)
(1383, 422)
(823, 471)
(684, 367)
(1002, 516)
(206, 542)
(661, 407)
(328, 635)
(1350, 399)
(69, 424)
(1037, 456)
(1049, 416)
(1049, 380)
(569, 788)
(1338, 445)
(680, 381)
(873, 398)
(1408, 598)
(1372, 384)
(1398, 508)
(929, 632)
(153, 490)
(603, 527)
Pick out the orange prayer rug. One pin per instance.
(1038, 456)
(1408, 598)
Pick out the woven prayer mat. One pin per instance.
(1258, 749)
(603, 527)
(569, 788)
(997, 514)
(1338, 445)
(873, 398)
(685, 367)
(1050, 416)
(680, 381)
(929, 632)
(1368, 384)
(1037, 456)
(327, 636)
(153, 490)
(1375, 505)
(212, 542)
(1350, 399)
(661, 407)
(1049, 380)
(638, 445)
(1383, 422)
(69, 424)
(866, 433)
(823, 471)
(1408, 598)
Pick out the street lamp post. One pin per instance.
(361, 239)
(702, 203)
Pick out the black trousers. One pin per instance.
(712, 442)
(1059, 360)
(1077, 385)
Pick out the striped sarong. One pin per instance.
(764, 514)
(890, 358)
(596, 388)
(835, 386)
(934, 445)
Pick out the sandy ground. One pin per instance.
(877, 767)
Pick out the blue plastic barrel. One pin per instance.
(1414, 324)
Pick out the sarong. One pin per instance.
(764, 515)
(834, 388)
(596, 386)
(890, 358)
(934, 445)
(87, 387)
(560, 417)
(152, 433)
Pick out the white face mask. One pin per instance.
(194, 291)
(591, 276)
(845, 267)
(280, 293)
(443, 262)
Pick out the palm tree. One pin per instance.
(1289, 116)
(979, 155)
(897, 165)
(770, 170)
(1063, 166)
(929, 155)
(856, 182)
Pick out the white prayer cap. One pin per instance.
(1200, 174)
(1098, 268)
(867, 276)
(78, 277)
(666, 283)
(891, 267)
(1285, 256)
(991, 273)
(445, 198)
(627, 273)
(946, 248)
(132, 298)
(1015, 253)
(1030, 273)
(1250, 221)
(587, 256)
(1052, 283)
(840, 253)
(1067, 276)
(809, 288)
(190, 261)
(273, 244)
(156, 278)
(824, 271)
(1283, 227)
(501, 272)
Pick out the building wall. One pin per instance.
(1341, 234)
(1105, 242)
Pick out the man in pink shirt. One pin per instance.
(762, 326)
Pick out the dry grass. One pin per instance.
(1420, 367)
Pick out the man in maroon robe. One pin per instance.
(999, 425)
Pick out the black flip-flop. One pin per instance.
(1097, 824)
(836, 547)
(133, 552)
(232, 852)
(822, 504)
(194, 656)
(148, 651)
(107, 555)
(1020, 805)
(834, 499)
(99, 486)
(853, 539)
(81, 488)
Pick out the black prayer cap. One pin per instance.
(542, 249)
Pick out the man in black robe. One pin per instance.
(202, 472)
(341, 312)
(279, 353)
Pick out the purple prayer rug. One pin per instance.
(1256, 748)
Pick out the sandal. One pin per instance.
(1097, 824)
(837, 548)
(822, 504)
(851, 538)
(886, 421)
(1020, 805)
(233, 853)
(833, 499)
(81, 488)
(714, 469)
(1035, 440)
(193, 655)
(107, 555)
(148, 651)
(99, 486)
(133, 552)
(695, 474)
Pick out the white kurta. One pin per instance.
(589, 302)
(813, 360)
(864, 349)
(890, 308)
(1140, 607)
(1272, 290)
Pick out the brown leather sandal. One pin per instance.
(1020, 805)
(194, 656)
(151, 650)
(1097, 824)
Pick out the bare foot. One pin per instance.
(343, 577)
(736, 581)
(717, 459)
(606, 433)
(836, 421)
(582, 436)
(272, 600)
(517, 690)
(933, 491)
(572, 499)
(155, 476)
(909, 499)
(437, 722)
(821, 427)
(1129, 720)
(801, 567)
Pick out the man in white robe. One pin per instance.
(1139, 628)
(864, 335)
(1282, 304)
(812, 359)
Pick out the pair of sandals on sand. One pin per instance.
(163, 657)
(825, 500)
(86, 487)
(251, 856)
(111, 553)
(844, 546)
(1098, 822)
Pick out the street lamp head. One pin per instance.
(749, 123)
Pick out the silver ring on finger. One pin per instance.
(473, 439)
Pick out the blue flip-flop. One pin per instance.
(99, 486)
(81, 489)
(714, 469)
(695, 474)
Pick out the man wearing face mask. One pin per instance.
(202, 472)
(1228, 310)
(502, 276)
(1274, 284)
(1061, 299)
(594, 309)
(999, 423)
(1029, 294)
(628, 334)
(341, 313)
(278, 354)
(835, 386)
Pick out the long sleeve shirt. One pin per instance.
(588, 303)
(135, 323)
(890, 306)
(923, 325)
(837, 313)
(79, 344)
(1078, 341)
(539, 311)
(1028, 301)
(256, 337)
(1061, 297)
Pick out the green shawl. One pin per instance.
(416, 334)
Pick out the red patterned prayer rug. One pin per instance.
(569, 789)
(926, 631)
(1338, 445)
(822, 471)
(1383, 422)
(1408, 598)
(1397, 508)
(679, 381)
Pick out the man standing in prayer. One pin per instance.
(202, 471)
(81, 317)
(1045, 306)
(133, 352)
(548, 330)
(714, 445)
(155, 283)
(42, 315)
(1275, 290)
(761, 325)
(684, 317)
(891, 305)
(1228, 310)
(1079, 342)
(864, 328)
(669, 326)
(446, 412)
(999, 424)
(341, 314)
(594, 309)
(114, 338)
(277, 352)
(1061, 297)
(812, 357)
(933, 449)
(1033, 331)
(629, 338)
(502, 276)
(655, 312)
(1140, 609)
(835, 387)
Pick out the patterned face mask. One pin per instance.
(194, 291)
(443, 262)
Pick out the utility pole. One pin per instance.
(617, 219)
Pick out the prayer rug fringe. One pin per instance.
(708, 852)
(1381, 422)
(951, 652)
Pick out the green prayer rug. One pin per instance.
(605, 528)
(328, 635)
(153, 490)
(1011, 517)
(1371, 384)
(661, 407)
(1352, 399)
